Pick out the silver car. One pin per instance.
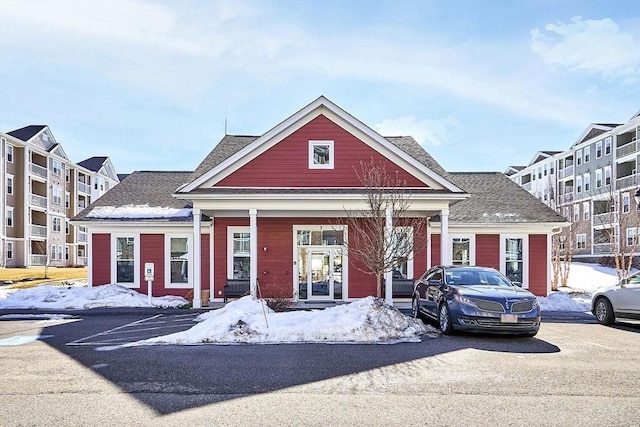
(618, 301)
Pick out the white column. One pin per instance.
(253, 250)
(388, 275)
(197, 271)
(445, 246)
(211, 258)
(428, 243)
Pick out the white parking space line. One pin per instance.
(136, 331)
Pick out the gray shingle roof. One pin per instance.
(228, 146)
(27, 132)
(143, 188)
(494, 198)
(93, 163)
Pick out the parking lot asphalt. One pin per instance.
(575, 372)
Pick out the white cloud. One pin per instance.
(428, 131)
(589, 45)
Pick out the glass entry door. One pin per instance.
(320, 273)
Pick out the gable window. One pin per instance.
(10, 153)
(179, 253)
(321, 155)
(598, 149)
(9, 250)
(239, 262)
(587, 154)
(9, 184)
(126, 260)
(607, 146)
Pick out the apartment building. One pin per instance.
(41, 191)
(595, 184)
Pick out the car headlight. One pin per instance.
(536, 304)
(464, 300)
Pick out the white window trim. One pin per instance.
(410, 274)
(330, 165)
(525, 256)
(10, 152)
(472, 245)
(9, 251)
(587, 154)
(10, 216)
(13, 183)
(136, 259)
(586, 209)
(230, 232)
(627, 206)
(599, 149)
(167, 265)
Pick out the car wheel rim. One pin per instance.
(601, 310)
(444, 318)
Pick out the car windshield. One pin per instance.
(471, 277)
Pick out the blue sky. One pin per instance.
(480, 84)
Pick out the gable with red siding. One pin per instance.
(287, 163)
(152, 250)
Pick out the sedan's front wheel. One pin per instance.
(604, 311)
(444, 318)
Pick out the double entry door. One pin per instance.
(320, 273)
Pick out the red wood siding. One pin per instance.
(152, 250)
(100, 259)
(435, 249)
(287, 163)
(488, 250)
(538, 264)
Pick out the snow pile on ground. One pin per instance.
(79, 297)
(249, 320)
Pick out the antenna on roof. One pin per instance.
(225, 117)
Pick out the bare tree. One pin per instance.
(620, 217)
(375, 249)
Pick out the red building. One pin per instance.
(263, 212)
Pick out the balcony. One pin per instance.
(602, 248)
(38, 231)
(38, 260)
(38, 170)
(627, 182)
(566, 172)
(84, 188)
(39, 201)
(566, 198)
(82, 260)
(627, 149)
(606, 218)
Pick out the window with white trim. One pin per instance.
(10, 153)
(67, 199)
(321, 155)
(126, 260)
(587, 154)
(579, 157)
(598, 178)
(52, 253)
(9, 217)
(57, 224)
(632, 236)
(581, 241)
(576, 212)
(179, 252)
(598, 149)
(607, 175)
(59, 253)
(403, 264)
(461, 251)
(586, 209)
(9, 250)
(514, 259)
(579, 184)
(239, 253)
(626, 203)
(57, 195)
(607, 146)
(57, 167)
(9, 184)
(587, 181)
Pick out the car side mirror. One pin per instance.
(518, 284)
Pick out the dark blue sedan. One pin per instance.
(475, 299)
